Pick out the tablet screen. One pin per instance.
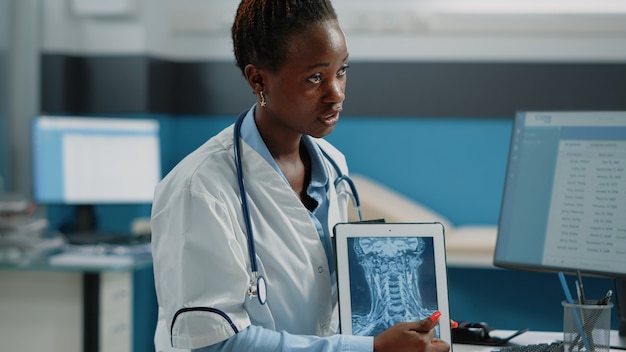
(390, 273)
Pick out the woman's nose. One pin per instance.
(335, 91)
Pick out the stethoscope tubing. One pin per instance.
(244, 195)
(259, 288)
(345, 178)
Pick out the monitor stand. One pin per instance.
(85, 229)
(85, 220)
(618, 337)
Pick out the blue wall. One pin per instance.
(454, 166)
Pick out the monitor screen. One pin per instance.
(564, 200)
(89, 160)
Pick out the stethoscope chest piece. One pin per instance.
(258, 290)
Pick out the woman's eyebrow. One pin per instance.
(321, 64)
(325, 64)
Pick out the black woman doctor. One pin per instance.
(241, 226)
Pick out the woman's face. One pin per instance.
(306, 95)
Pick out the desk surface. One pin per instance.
(527, 338)
(97, 264)
(530, 337)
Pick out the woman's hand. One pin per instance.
(417, 336)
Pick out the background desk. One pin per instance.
(531, 337)
(67, 309)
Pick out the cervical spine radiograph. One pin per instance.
(391, 272)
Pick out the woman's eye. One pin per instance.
(316, 78)
(343, 70)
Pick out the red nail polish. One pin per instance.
(435, 316)
(455, 324)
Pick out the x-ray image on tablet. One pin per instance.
(390, 273)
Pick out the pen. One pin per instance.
(578, 292)
(605, 300)
(579, 285)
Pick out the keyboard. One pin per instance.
(540, 347)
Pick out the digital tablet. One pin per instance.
(389, 273)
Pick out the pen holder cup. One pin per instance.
(586, 327)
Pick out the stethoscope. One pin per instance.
(258, 286)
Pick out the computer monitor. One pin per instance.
(564, 200)
(86, 161)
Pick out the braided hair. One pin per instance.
(262, 28)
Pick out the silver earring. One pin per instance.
(263, 102)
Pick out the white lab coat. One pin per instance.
(201, 260)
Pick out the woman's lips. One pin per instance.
(331, 117)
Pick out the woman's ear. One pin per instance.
(254, 76)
